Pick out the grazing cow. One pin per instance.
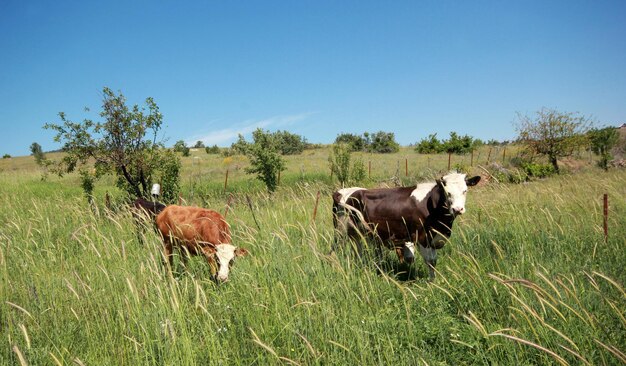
(199, 231)
(399, 217)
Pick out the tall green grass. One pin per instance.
(526, 279)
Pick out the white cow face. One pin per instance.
(225, 255)
(455, 187)
(408, 252)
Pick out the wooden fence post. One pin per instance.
(488, 156)
(317, 200)
(180, 199)
(406, 167)
(369, 169)
(503, 155)
(226, 181)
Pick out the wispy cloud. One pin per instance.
(228, 135)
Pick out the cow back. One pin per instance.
(193, 224)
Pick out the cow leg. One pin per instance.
(341, 223)
(430, 258)
(168, 249)
(184, 255)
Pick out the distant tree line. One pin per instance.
(285, 143)
(380, 142)
(456, 144)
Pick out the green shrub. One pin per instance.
(265, 160)
(358, 173)
(537, 170)
(170, 176)
(212, 149)
(339, 161)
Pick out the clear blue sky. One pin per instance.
(315, 68)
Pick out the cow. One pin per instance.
(199, 231)
(400, 217)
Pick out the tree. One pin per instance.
(37, 152)
(458, 144)
(265, 160)
(339, 162)
(353, 142)
(199, 145)
(212, 149)
(430, 145)
(289, 143)
(181, 147)
(602, 142)
(552, 134)
(124, 143)
(383, 142)
(240, 146)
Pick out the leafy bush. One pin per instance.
(379, 142)
(228, 152)
(602, 142)
(537, 170)
(352, 141)
(212, 149)
(289, 143)
(358, 173)
(383, 143)
(285, 142)
(265, 159)
(241, 146)
(170, 177)
(430, 145)
(455, 144)
(6, 156)
(339, 161)
(37, 152)
(515, 176)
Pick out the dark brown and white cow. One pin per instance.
(399, 217)
(199, 231)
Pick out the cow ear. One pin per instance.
(440, 182)
(241, 252)
(472, 181)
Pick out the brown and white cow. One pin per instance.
(399, 217)
(199, 231)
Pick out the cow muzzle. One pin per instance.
(221, 278)
(458, 211)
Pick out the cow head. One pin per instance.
(406, 253)
(222, 257)
(455, 187)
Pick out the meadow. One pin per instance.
(527, 277)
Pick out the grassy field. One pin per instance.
(527, 277)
